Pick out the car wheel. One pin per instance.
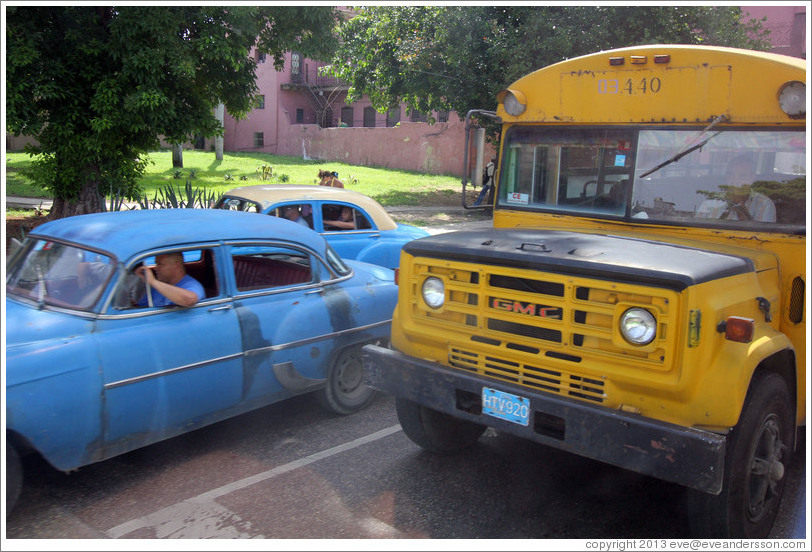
(345, 391)
(14, 476)
(435, 431)
(758, 455)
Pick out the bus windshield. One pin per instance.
(737, 178)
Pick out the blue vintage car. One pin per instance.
(90, 374)
(367, 232)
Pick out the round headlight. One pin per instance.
(638, 326)
(792, 99)
(434, 292)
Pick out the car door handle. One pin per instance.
(314, 291)
(224, 307)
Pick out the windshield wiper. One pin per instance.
(682, 153)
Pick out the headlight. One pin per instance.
(434, 292)
(638, 326)
(792, 99)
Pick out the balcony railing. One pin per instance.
(310, 75)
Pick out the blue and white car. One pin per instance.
(90, 376)
(374, 238)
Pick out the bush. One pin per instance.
(176, 198)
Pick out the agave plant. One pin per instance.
(264, 172)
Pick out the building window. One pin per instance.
(393, 116)
(260, 57)
(261, 101)
(442, 116)
(369, 116)
(300, 115)
(259, 139)
(416, 116)
(295, 67)
(346, 116)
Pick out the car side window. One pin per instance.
(199, 264)
(264, 267)
(301, 213)
(338, 217)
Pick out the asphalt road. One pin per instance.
(295, 471)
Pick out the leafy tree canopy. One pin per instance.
(97, 86)
(458, 57)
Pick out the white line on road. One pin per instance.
(181, 509)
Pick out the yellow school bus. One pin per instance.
(640, 299)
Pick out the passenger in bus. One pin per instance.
(740, 201)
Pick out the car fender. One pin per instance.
(54, 399)
(384, 252)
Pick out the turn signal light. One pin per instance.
(397, 276)
(739, 329)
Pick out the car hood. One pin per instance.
(371, 273)
(26, 324)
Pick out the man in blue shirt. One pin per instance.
(169, 284)
(291, 212)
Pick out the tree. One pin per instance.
(458, 57)
(97, 86)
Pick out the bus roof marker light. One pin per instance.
(616, 61)
(513, 100)
(638, 60)
(662, 58)
(792, 99)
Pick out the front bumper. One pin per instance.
(681, 455)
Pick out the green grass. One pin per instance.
(387, 186)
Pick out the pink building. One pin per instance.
(787, 25)
(306, 115)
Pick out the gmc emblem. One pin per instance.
(530, 309)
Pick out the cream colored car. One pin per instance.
(354, 224)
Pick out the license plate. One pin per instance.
(505, 406)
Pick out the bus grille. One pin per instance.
(548, 332)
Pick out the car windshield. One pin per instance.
(54, 273)
(734, 178)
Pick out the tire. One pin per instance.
(14, 477)
(758, 456)
(435, 431)
(345, 392)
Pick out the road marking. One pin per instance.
(208, 517)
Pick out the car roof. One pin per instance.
(126, 233)
(269, 194)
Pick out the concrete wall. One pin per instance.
(433, 149)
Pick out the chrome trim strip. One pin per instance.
(314, 339)
(252, 352)
(120, 383)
